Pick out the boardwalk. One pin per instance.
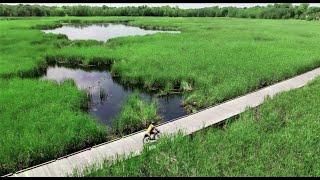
(188, 124)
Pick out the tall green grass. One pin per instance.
(136, 114)
(24, 47)
(279, 138)
(40, 121)
(214, 58)
(218, 58)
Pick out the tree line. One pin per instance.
(272, 11)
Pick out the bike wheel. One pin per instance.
(146, 139)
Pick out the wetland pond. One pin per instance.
(106, 94)
(101, 32)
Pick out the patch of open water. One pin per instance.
(107, 95)
(101, 32)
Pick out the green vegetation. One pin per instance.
(209, 56)
(213, 59)
(279, 138)
(135, 115)
(41, 121)
(23, 46)
(218, 64)
(276, 11)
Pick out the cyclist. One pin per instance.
(152, 129)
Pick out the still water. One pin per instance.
(107, 95)
(101, 32)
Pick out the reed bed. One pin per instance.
(210, 61)
(278, 138)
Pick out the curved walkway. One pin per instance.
(188, 124)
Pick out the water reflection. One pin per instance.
(101, 32)
(107, 96)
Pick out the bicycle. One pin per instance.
(153, 137)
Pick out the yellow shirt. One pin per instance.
(150, 128)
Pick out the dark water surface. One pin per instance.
(101, 32)
(107, 96)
